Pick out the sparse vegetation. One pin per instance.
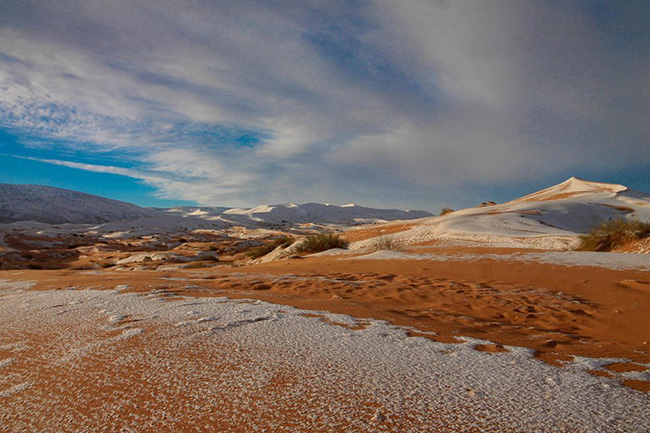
(207, 256)
(263, 250)
(196, 265)
(445, 211)
(385, 242)
(321, 242)
(613, 233)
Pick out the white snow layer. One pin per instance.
(335, 378)
(618, 261)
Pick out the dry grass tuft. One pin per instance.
(385, 242)
(263, 250)
(321, 242)
(612, 234)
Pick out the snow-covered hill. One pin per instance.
(318, 213)
(550, 219)
(56, 206)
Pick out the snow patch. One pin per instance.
(619, 261)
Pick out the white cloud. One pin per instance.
(429, 93)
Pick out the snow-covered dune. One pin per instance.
(57, 206)
(282, 216)
(551, 219)
(319, 213)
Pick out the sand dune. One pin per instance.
(549, 219)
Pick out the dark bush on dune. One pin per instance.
(321, 242)
(263, 250)
(612, 234)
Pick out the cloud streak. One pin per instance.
(259, 101)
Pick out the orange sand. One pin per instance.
(556, 310)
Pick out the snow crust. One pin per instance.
(341, 379)
(618, 261)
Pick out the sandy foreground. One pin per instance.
(454, 339)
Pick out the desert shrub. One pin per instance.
(385, 242)
(445, 211)
(263, 250)
(208, 257)
(613, 233)
(321, 242)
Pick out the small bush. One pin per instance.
(263, 250)
(613, 233)
(385, 243)
(208, 257)
(445, 211)
(195, 265)
(321, 242)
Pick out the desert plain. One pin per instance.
(150, 330)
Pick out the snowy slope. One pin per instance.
(551, 219)
(56, 206)
(318, 213)
(283, 217)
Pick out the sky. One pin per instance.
(410, 104)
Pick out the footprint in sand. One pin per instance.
(14, 389)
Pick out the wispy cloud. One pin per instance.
(257, 101)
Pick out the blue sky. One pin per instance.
(409, 104)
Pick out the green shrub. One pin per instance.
(263, 250)
(386, 242)
(613, 233)
(321, 242)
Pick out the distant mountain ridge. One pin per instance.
(51, 205)
(317, 213)
(57, 206)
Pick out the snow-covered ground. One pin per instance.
(618, 261)
(85, 359)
